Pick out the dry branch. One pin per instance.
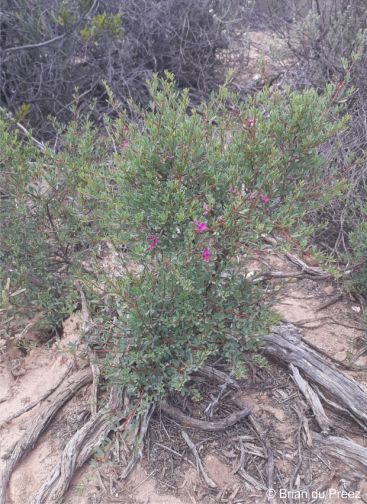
(33, 404)
(194, 423)
(37, 425)
(199, 464)
(313, 400)
(78, 450)
(211, 373)
(139, 440)
(286, 345)
(350, 453)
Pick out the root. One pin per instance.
(38, 424)
(194, 423)
(78, 450)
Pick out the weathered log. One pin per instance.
(38, 424)
(78, 450)
(285, 345)
(351, 454)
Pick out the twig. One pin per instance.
(175, 453)
(54, 39)
(330, 302)
(212, 406)
(199, 464)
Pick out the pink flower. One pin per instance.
(264, 199)
(206, 209)
(232, 190)
(200, 227)
(125, 143)
(152, 242)
(206, 254)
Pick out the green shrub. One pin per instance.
(325, 39)
(46, 225)
(190, 195)
(184, 197)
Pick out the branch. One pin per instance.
(53, 40)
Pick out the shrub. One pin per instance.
(325, 39)
(50, 48)
(45, 224)
(190, 196)
(184, 197)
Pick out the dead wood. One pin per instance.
(33, 404)
(314, 271)
(199, 464)
(350, 453)
(211, 373)
(330, 302)
(38, 424)
(139, 441)
(214, 404)
(268, 453)
(79, 449)
(195, 423)
(286, 345)
(313, 400)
